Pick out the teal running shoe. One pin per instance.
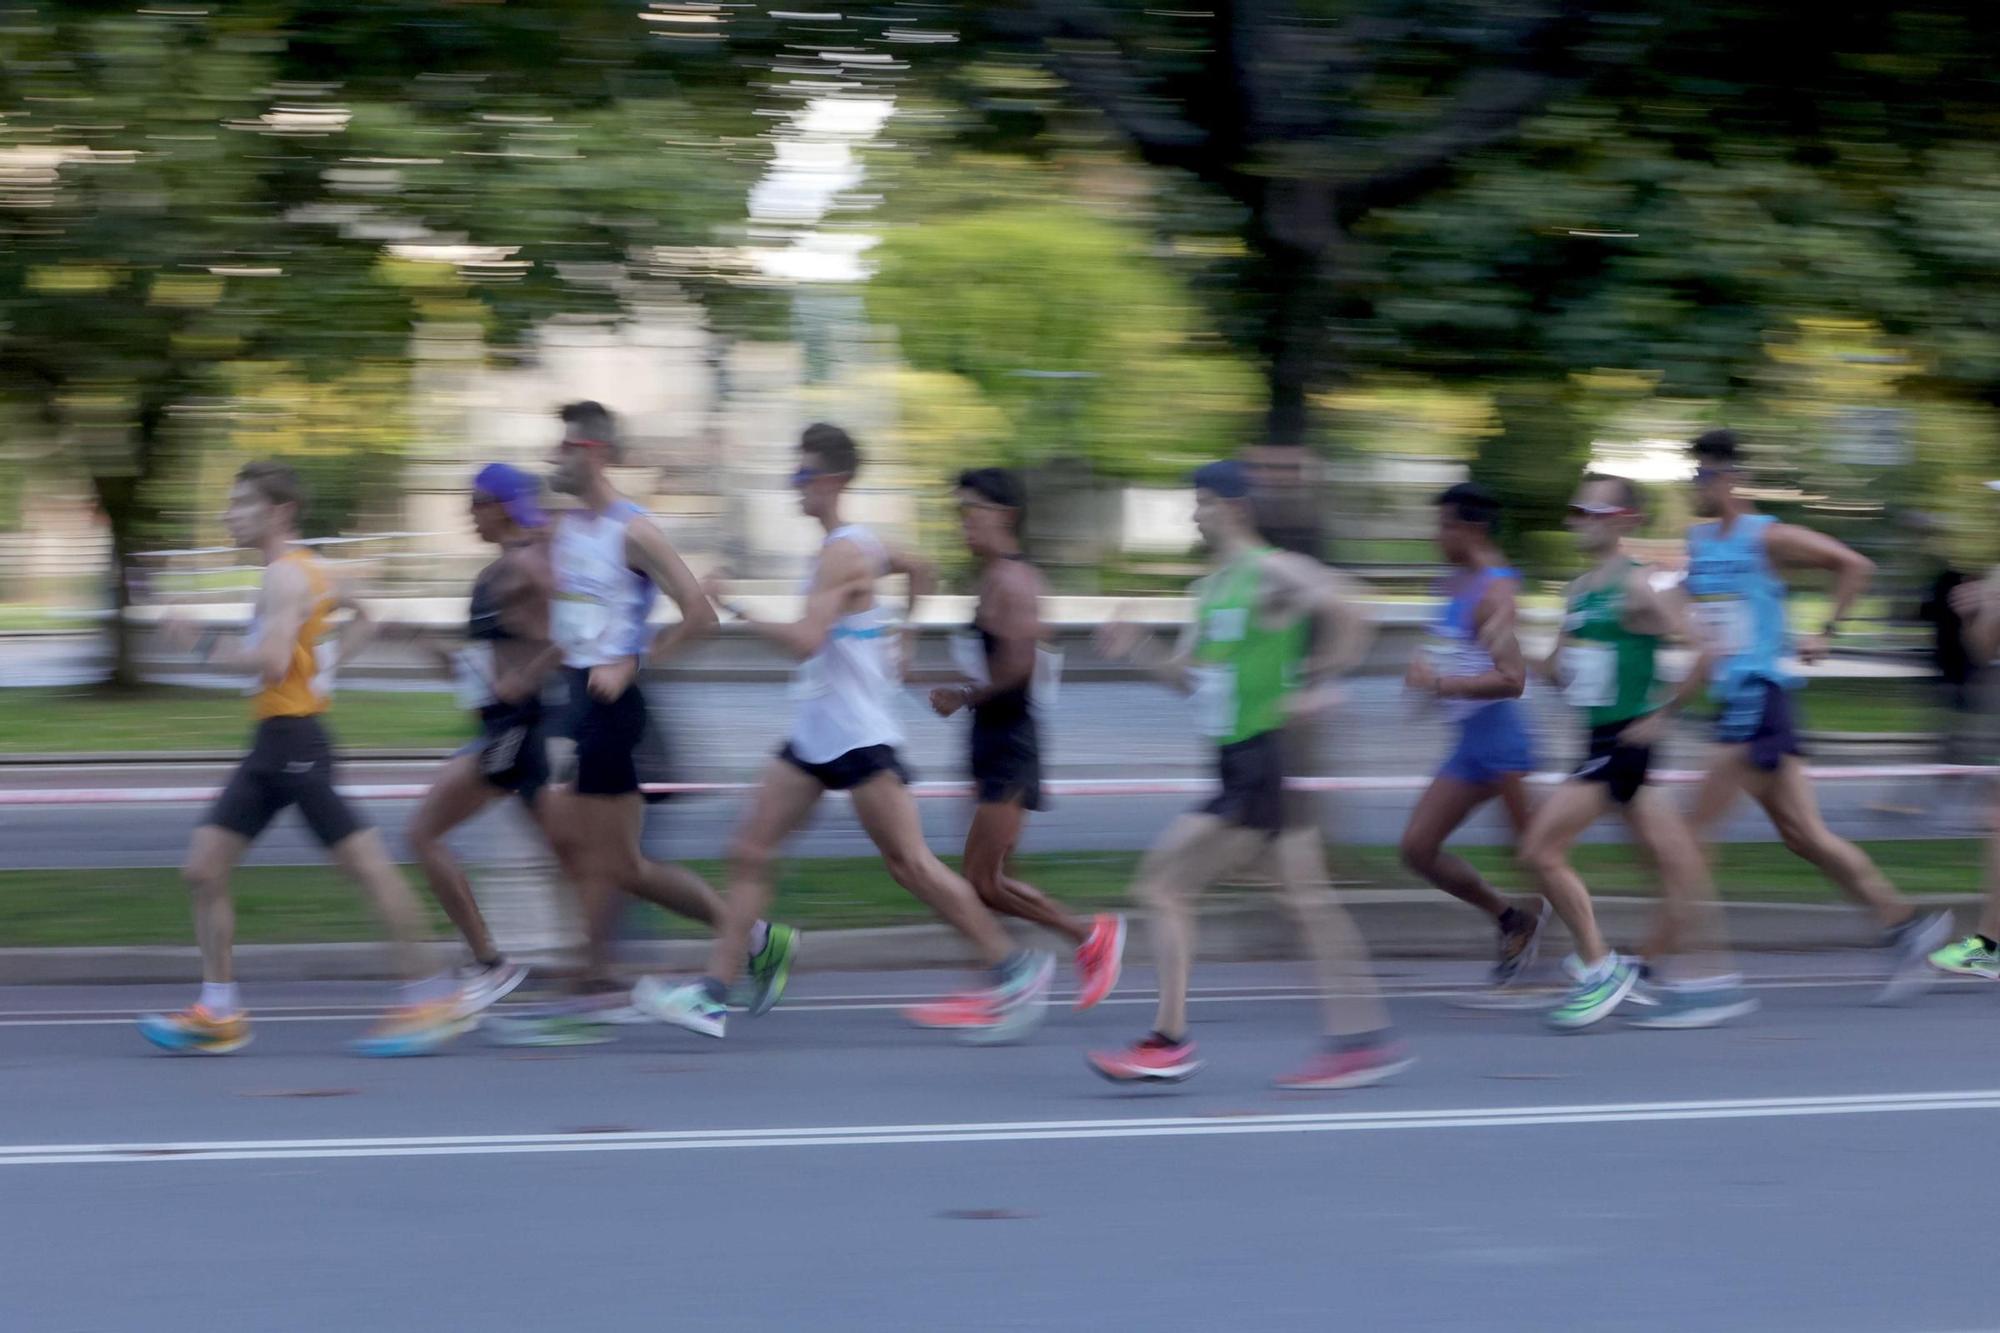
(771, 969)
(1595, 997)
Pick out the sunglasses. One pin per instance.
(1702, 474)
(1598, 511)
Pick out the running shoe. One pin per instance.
(1356, 1068)
(1099, 959)
(969, 1009)
(481, 986)
(1968, 958)
(683, 1006)
(770, 969)
(1020, 1001)
(416, 1029)
(1518, 948)
(1913, 943)
(196, 1031)
(1151, 1059)
(1701, 1006)
(551, 1028)
(1594, 996)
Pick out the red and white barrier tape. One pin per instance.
(938, 790)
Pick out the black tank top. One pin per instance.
(482, 615)
(1010, 706)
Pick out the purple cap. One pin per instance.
(519, 493)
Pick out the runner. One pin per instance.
(506, 631)
(610, 562)
(1978, 954)
(1475, 670)
(1241, 657)
(1739, 604)
(999, 661)
(844, 738)
(292, 649)
(1606, 657)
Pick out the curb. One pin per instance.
(1396, 924)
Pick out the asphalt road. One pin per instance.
(825, 1168)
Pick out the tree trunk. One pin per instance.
(114, 497)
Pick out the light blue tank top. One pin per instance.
(1740, 601)
(1455, 648)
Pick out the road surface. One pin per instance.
(826, 1169)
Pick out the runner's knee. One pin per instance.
(749, 854)
(1419, 856)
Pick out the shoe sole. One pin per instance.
(1115, 970)
(1026, 1015)
(1942, 970)
(766, 1001)
(497, 994)
(523, 1033)
(1359, 1079)
(431, 1044)
(1700, 1018)
(1176, 1074)
(1599, 1014)
(676, 1019)
(207, 1048)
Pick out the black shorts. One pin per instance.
(607, 737)
(1620, 767)
(1253, 783)
(850, 769)
(290, 763)
(513, 749)
(1007, 762)
(1758, 713)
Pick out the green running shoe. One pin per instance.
(1594, 999)
(1968, 958)
(771, 968)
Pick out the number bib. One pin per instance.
(968, 654)
(1215, 699)
(1590, 674)
(1725, 623)
(579, 623)
(472, 674)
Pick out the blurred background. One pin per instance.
(1373, 247)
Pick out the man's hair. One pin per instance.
(995, 485)
(833, 447)
(592, 421)
(276, 482)
(1629, 495)
(1470, 502)
(1721, 447)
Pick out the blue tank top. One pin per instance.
(1740, 602)
(1455, 649)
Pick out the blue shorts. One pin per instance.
(1758, 713)
(1492, 744)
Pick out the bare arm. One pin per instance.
(282, 606)
(1494, 622)
(1550, 667)
(648, 551)
(843, 569)
(1650, 611)
(1978, 606)
(1121, 640)
(922, 577)
(361, 627)
(1795, 547)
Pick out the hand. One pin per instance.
(1118, 639)
(1648, 730)
(512, 688)
(948, 699)
(1812, 647)
(178, 632)
(714, 586)
(1314, 702)
(1971, 599)
(611, 680)
(1421, 678)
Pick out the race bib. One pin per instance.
(1215, 699)
(472, 674)
(578, 623)
(1048, 676)
(968, 655)
(1725, 623)
(326, 656)
(1590, 674)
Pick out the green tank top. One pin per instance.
(1608, 670)
(1243, 671)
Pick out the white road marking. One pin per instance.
(836, 1136)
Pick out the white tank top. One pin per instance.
(601, 603)
(846, 691)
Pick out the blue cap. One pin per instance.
(1226, 478)
(519, 493)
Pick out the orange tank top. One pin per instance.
(307, 687)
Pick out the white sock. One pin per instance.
(219, 998)
(760, 935)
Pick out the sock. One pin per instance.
(760, 935)
(1159, 1038)
(219, 998)
(1512, 919)
(1988, 943)
(716, 992)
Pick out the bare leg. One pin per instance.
(212, 854)
(457, 794)
(1687, 894)
(996, 828)
(784, 798)
(677, 889)
(1351, 1001)
(1787, 797)
(1196, 850)
(1719, 789)
(365, 860)
(1545, 851)
(889, 814)
(1445, 805)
